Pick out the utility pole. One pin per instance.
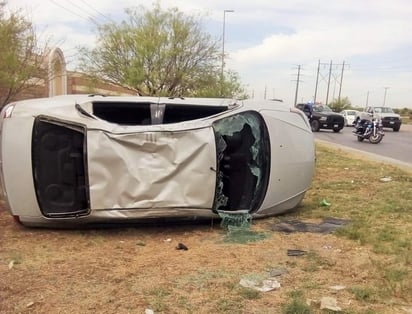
(327, 91)
(297, 85)
(341, 79)
(223, 48)
(317, 81)
(384, 96)
(367, 99)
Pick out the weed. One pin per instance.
(387, 234)
(296, 294)
(310, 284)
(363, 293)
(158, 299)
(229, 305)
(397, 280)
(184, 303)
(249, 294)
(296, 306)
(316, 262)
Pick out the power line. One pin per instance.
(397, 68)
(88, 19)
(91, 15)
(98, 12)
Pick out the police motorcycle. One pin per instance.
(371, 130)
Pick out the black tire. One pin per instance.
(396, 128)
(360, 138)
(336, 130)
(375, 139)
(315, 125)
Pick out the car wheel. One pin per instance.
(315, 125)
(396, 128)
(336, 130)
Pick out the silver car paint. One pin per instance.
(112, 150)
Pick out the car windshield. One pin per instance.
(243, 155)
(321, 108)
(383, 110)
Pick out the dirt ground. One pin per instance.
(131, 269)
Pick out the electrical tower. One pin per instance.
(329, 73)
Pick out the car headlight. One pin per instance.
(323, 118)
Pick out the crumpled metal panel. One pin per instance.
(151, 169)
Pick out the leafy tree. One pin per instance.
(21, 59)
(341, 104)
(212, 87)
(159, 53)
(403, 112)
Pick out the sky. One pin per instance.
(360, 49)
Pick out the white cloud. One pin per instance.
(267, 39)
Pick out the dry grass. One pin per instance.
(128, 270)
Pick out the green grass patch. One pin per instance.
(363, 293)
(380, 212)
(158, 299)
(297, 304)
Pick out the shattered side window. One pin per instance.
(243, 159)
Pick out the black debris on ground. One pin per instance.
(328, 225)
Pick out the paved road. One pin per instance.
(395, 146)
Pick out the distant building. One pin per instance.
(62, 82)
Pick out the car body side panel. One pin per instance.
(151, 169)
(292, 161)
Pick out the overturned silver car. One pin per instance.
(84, 159)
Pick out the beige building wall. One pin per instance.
(57, 74)
(63, 82)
